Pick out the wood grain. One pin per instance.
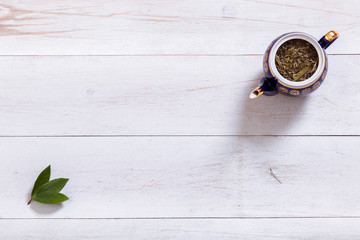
(139, 104)
(212, 229)
(152, 177)
(143, 27)
(167, 96)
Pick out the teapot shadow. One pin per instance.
(270, 115)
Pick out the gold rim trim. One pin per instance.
(257, 92)
(332, 35)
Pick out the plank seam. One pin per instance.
(115, 136)
(189, 218)
(160, 55)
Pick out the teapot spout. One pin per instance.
(257, 92)
(267, 87)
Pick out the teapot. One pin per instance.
(273, 82)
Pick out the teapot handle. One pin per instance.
(328, 39)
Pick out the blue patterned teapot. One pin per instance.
(273, 82)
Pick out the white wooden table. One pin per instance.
(144, 105)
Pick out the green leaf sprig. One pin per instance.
(46, 191)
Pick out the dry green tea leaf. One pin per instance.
(300, 74)
(296, 60)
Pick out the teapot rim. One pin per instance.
(312, 41)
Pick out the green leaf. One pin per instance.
(41, 179)
(50, 197)
(46, 191)
(54, 185)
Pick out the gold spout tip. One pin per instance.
(257, 92)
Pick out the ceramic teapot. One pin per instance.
(273, 82)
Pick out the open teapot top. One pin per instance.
(295, 64)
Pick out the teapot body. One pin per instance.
(273, 82)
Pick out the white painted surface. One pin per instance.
(122, 177)
(192, 229)
(160, 69)
(159, 95)
(169, 27)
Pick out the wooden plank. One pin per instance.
(63, 27)
(167, 96)
(122, 177)
(212, 229)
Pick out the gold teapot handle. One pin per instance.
(328, 39)
(332, 35)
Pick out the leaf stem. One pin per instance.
(29, 201)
